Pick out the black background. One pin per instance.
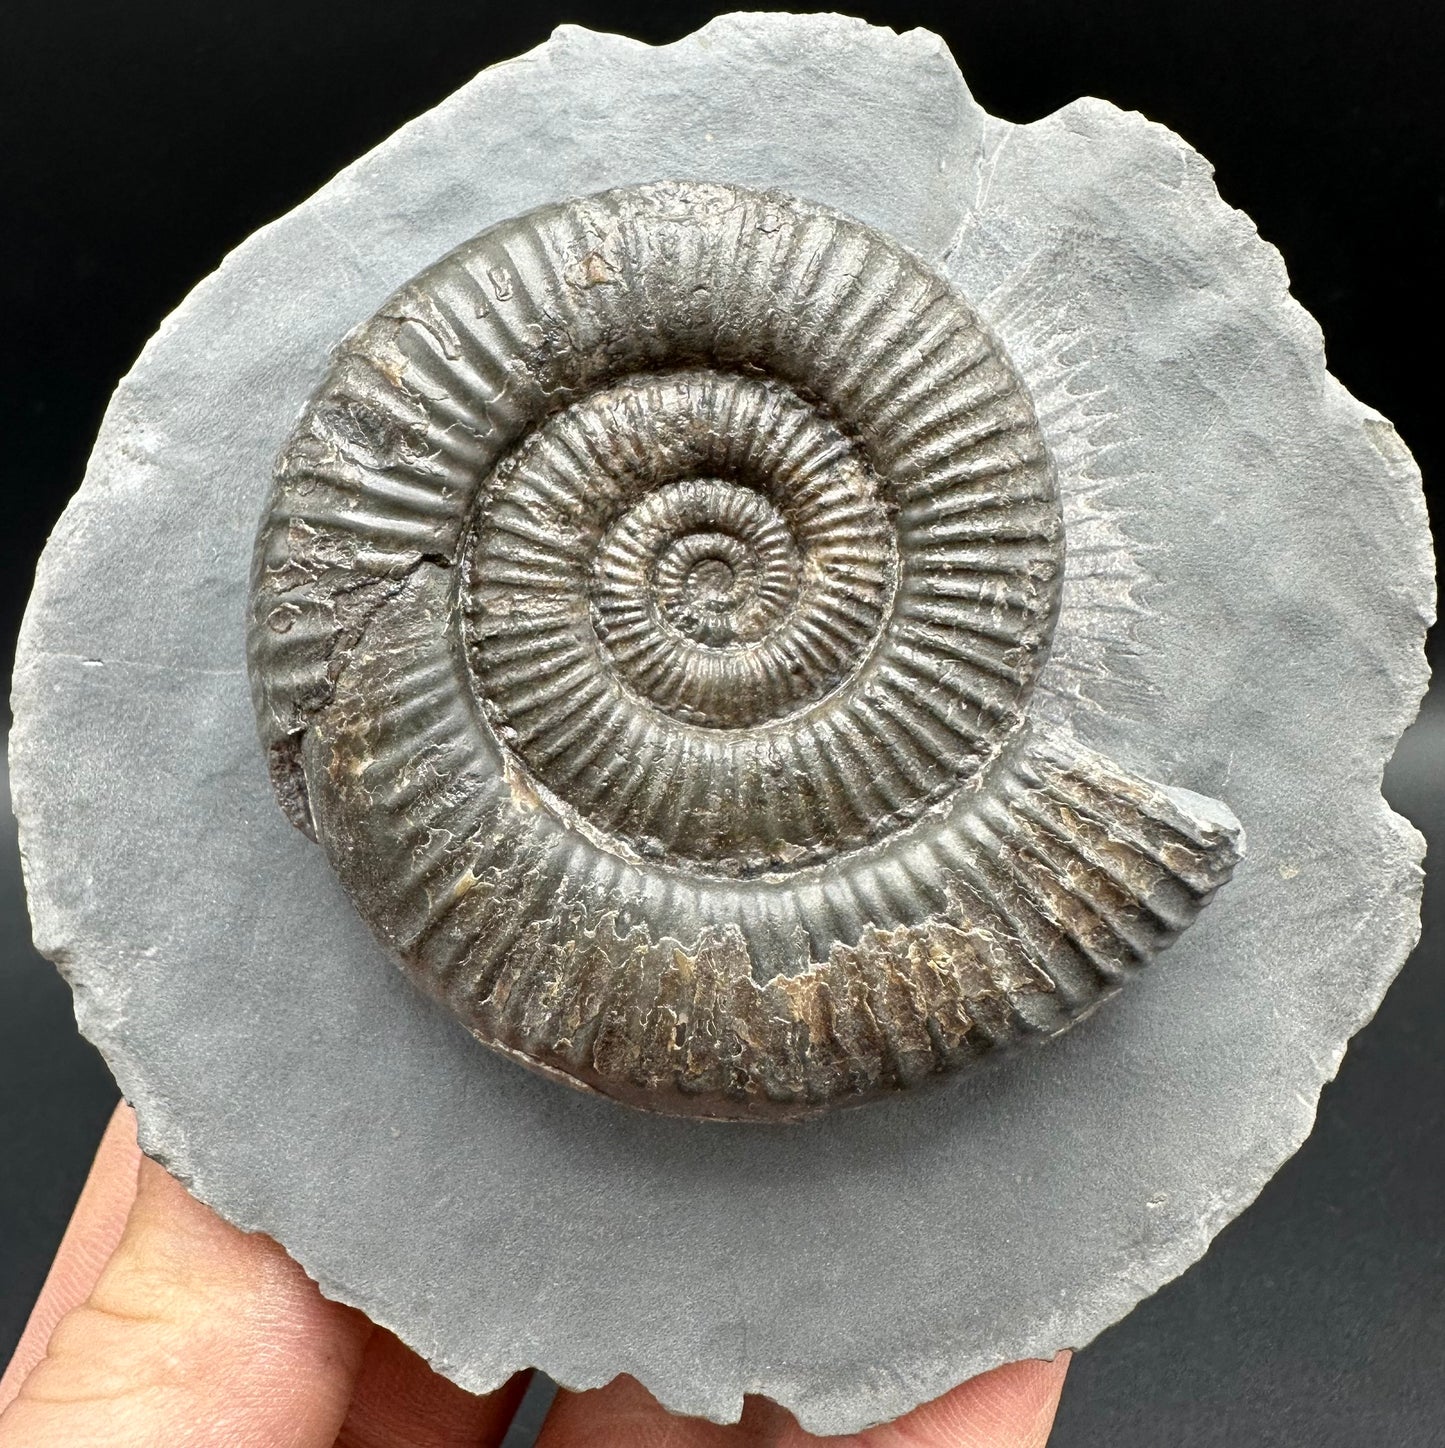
(140, 140)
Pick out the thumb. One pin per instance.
(194, 1333)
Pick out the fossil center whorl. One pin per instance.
(708, 561)
(709, 541)
(645, 623)
(672, 586)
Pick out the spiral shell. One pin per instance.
(644, 623)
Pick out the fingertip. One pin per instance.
(623, 1414)
(1012, 1406)
(91, 1236)
(193, 1332)
(400, 1401)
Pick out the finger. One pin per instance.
(195, 1333)
(94, 1230)
(399, 1402)
(1011, 1407)
(625, 1415)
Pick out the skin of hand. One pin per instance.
(161, 1324)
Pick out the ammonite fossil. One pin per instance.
(645, 623)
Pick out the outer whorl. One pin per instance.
(644, 623)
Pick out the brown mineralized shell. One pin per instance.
(645, 622)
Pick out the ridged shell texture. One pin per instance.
(645, 621)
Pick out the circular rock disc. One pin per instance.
(1242, 612)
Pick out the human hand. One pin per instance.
(161, 1324)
